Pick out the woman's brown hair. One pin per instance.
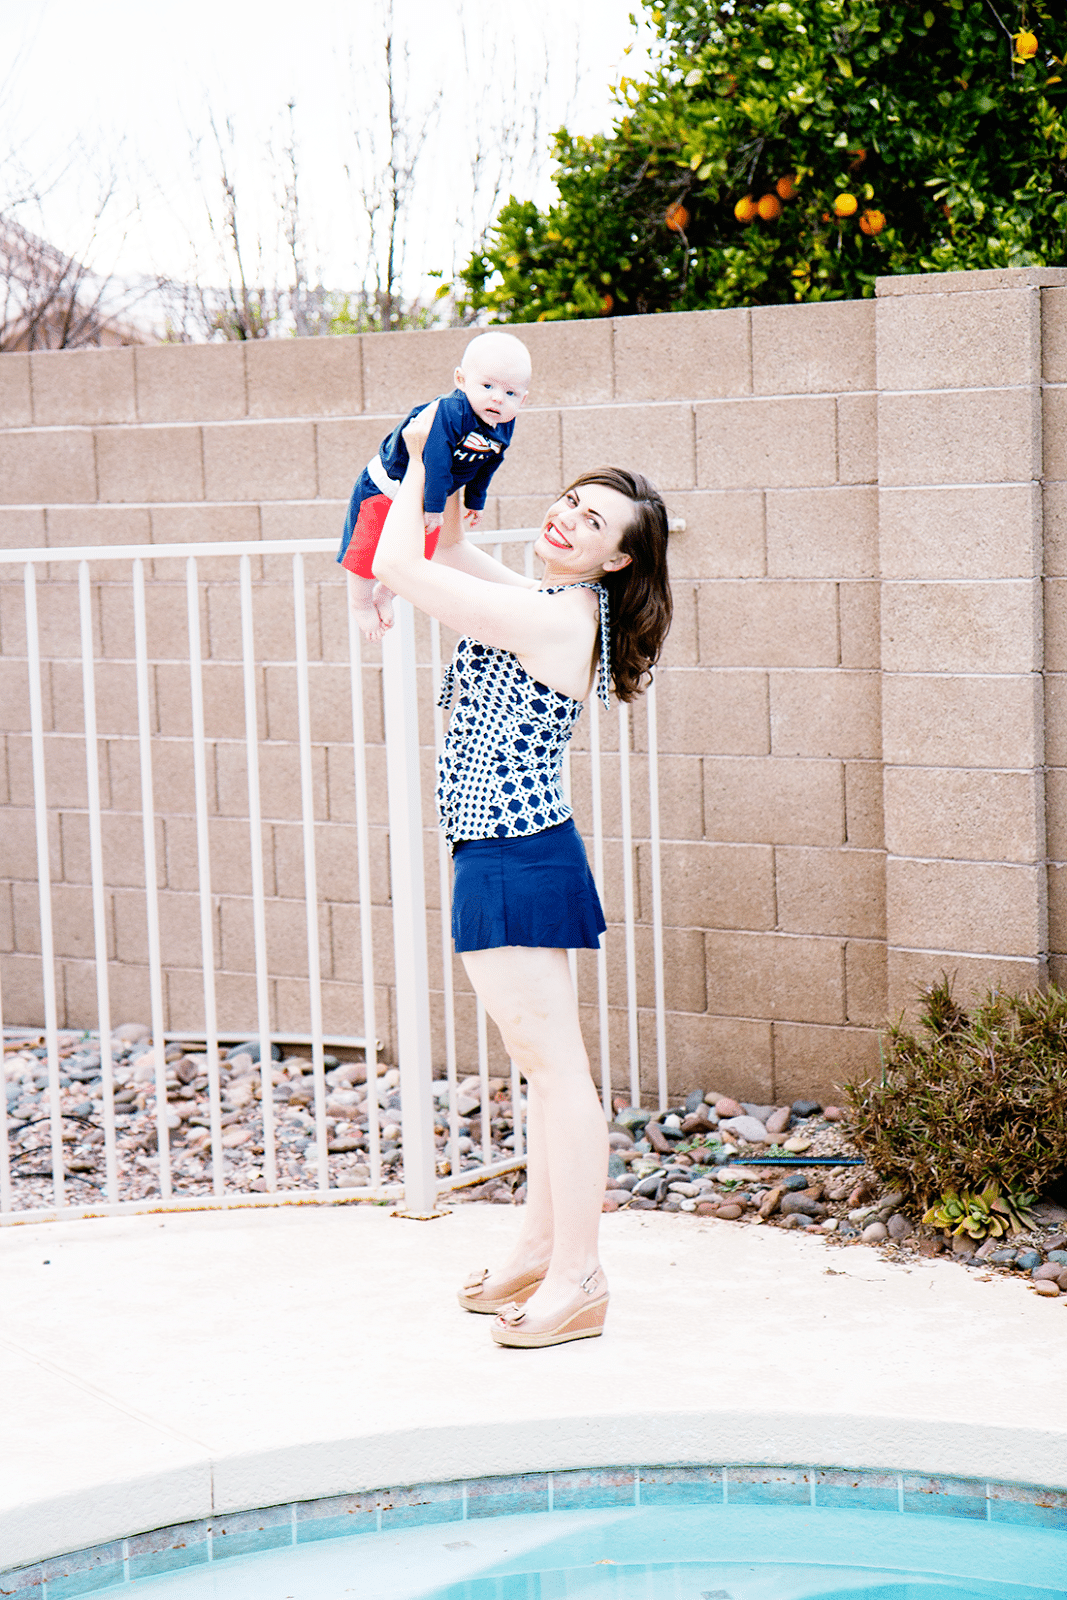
(639, 594)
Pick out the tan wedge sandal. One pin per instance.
(511, 1291)
(583, 1319)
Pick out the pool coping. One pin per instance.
(217, 1538)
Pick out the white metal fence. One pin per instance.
(422, 1157)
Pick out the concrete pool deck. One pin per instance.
(163, 1368)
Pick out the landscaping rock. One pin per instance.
(694, 1100)
(797, 1146)
(725, 1107)
(806, 1108)
(898, 1226)
(658, 1139)
(1046, 1287)
(745, 1127)
(779, 1121)
(770, 1202)
(795, 1181)
(729, 1211)
(761, 1113)
(616, 1166)
(1027, 1260)
(620, 1141)
(875, 1233)
(1002, 1258)
(802, 1205)
(631, 1117)
(833, 1113)
(1050, 1270)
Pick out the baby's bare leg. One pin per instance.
(365, 603)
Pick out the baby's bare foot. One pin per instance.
(383, 603)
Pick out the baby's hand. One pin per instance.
(473, 519)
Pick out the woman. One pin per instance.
(523, 892)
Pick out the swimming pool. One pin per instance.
(947, 1547)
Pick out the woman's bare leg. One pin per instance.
(529, 995)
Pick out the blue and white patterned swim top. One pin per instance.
(498, 776)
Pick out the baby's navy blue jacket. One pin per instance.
(462, 451)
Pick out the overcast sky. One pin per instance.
(128, 85)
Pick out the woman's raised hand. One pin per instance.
(417, 431)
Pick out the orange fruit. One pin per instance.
(846, 205)
(745, 210)
(769, 207)
(606, 305)
(1026, 45)
(871, 221)
(786, 188)
(858, 158)
(677, 218)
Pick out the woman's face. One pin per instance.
(582, 531)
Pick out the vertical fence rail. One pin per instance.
(203, 869)
(44, 880)
(259, 909)
(657, 892)
(5, 1157)
(96, 873)
(151, 876)
(444, 886)
(366, 922)
(311, 888)
(628, 903)
(596, 791)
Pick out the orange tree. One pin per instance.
(796, 150)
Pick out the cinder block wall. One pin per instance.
(862, 565)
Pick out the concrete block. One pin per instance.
(723, 535)
(681, 647)
(16, 400)
(702, 354)
(14, 697)
(1055, 596)
(713, 713)
(401, 370)
(533, 462)
(963, 816)
(150, 463)
(1054, 433)
(179, 929)
(775, 976)
(731, 1054)
(172, 776)
(22, 528)
(990, 531)
(857, 438)
(822, 533)
(1054, 519)
(969, 282)
(229, 855)
(683, 965)
(340, 784)
(331, 710)
(961, 627)
(305, 377)
(965, 906)
(1057, 908)
(1056, 812)
(224, 715)
(965, 722)
(122, 840)
(830, 891)
(58, 618)
(272, 622)
(52, 466)
(655, 440)
(286, 929)
(712, 885)
(959, 341)
(18, 846)
(965, 436)
(815, 1063)
(99, 525)
(259, 461)
(320, 519)
(572, 362)
(1054, 335)
(1055, 718)
(191, 382)
(82, 386)
(66, 781)
(346, 950)
(818, 348)
(766, 444)
(764, 800)
(911, 971)
(7, 923)
(826, 713)
(279, 772)
(764, 623)
(866, 982)
(860, 623)
(23, 992)
(681, 796)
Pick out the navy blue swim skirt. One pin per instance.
(536, 891)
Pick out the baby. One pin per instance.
(470, 433)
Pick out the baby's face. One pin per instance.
(496, 388)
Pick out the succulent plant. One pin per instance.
(988, 1214)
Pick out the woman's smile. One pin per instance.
(554, 535)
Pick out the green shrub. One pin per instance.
(975, 1099)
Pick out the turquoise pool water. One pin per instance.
(683, 1553)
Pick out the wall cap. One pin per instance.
(971, 282)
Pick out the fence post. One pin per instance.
(408, 887)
